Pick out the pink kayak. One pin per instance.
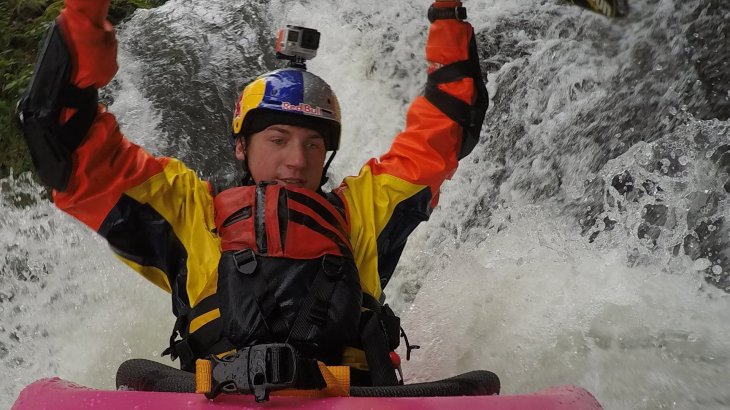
(59, 394)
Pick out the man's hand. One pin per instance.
(92, 41)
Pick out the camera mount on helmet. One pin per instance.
(297, 44)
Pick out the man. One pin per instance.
(275, 259)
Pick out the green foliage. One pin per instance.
(14, 153)
(23, 23)
(22, 7)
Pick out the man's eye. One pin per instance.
(277, 141)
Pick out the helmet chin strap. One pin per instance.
(324, 170)
(246, 178)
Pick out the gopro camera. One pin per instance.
(297, 44)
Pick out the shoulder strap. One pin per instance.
(316, 305)
(379, 335)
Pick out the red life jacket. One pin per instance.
(286, 274)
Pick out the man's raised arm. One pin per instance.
(156, 214)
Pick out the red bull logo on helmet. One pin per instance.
(237, 111)
(303, 108)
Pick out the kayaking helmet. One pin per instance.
(290, 96)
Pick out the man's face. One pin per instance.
(287, 154)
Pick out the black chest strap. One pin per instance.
(380, 333)
(317, 303)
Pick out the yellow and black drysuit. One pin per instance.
(261, 263)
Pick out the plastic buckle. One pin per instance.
(256, 370)
(263, 358)
(245, 261)
(332, 266)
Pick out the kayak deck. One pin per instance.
(59, 394)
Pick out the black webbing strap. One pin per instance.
(247, 265)
(181, 348)
(85, 102)
(375, 345)
(469, 117)
(379, 335)
(452, 72)
(315, 308)
(454, 108)
(389, 322)
(325, 178)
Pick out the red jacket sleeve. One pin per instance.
(155, 213)
(393, 194)
(92, 40)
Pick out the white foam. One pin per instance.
(522, 294)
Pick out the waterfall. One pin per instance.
(584, 241)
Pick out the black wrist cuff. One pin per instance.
(440, 13)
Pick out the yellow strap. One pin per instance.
(336, 377)
(203, 376)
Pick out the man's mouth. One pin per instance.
(292, 181)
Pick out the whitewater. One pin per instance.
(584, 241)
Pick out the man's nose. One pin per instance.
(296, 156)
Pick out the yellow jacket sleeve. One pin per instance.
(393, 194)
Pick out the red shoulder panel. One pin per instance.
(105, 166)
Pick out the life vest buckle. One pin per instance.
(245, 261)
(332, 266)
(258, 369)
